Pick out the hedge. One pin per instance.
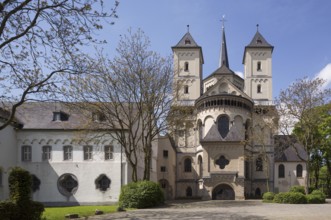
(290, 198)
(268, 196)
(142, 194)
(299, 189)
(316, 197)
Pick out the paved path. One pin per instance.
(249, 209)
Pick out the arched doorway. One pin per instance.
(223, 192)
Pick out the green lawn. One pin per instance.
(58, 213)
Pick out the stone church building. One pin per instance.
(221, 146)
(224, 148)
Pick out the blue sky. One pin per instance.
(299, 30)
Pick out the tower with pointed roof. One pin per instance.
(257, 62)
(188, 61)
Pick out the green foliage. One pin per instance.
(7, 209)
(58, 213)
(21, 206)
(316, 197)
(142, 194)
(268, 196)
(299, 189)
(19, 185)
(290, 198)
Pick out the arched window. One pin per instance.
(200, 166)
(187, 165)
(259, 88)
(299, 170)
(259, 164)
(258, 192)
(186, 89)
(281, 171)
(223, 126)
(259, 66)
(186, 66)
(188, 191)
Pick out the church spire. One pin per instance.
(224, 52)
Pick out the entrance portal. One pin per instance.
(223, 192)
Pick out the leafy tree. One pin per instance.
(298, 107)
(41, 41)
(133, 93)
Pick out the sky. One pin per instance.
(299, 30)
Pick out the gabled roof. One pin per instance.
(258, 41)
(222, 80)
(187, 41)
(288, 150)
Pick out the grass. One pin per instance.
(58, 213)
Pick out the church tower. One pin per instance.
(188, 61)
(258, 69)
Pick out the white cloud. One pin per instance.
(241, 74)
(325, 74)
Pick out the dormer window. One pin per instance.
(60, 116)
(187, 41)
(259, 41)
(98, 116)
(186, 66)
(259, 66)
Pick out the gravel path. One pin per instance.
(249, 209)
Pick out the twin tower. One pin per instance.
(257, 60)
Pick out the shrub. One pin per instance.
(299, 189)
(316, 197)
(142, 194)
(268, 196)
(21, 206)
(290, 198)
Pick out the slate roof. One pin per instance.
(258, 41)
(39, 115)
(288, 150)
(187, 41)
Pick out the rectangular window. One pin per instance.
(26, 153)
(67, 153)
(108, 152)
(163, 169)
(165, 154)
(88, 152)
(47, 153)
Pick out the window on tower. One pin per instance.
(186, 66)
(259, 88)
(187, 41)
(259, 66)
(186, 89)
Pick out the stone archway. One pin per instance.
(223, 192)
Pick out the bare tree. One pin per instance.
(133, 93)
(298, 107)
(40, 42)
(260, 137)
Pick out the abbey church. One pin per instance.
(224, 149)
(224, 144)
